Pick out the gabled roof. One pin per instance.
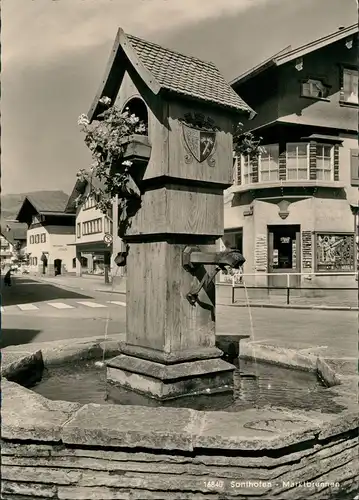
(45, 201)
(79, 190)
(164, 70)
(288, 54)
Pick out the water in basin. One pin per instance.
(255, 385)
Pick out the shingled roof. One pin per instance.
(45, 202)
(49, 201)
(165, 70)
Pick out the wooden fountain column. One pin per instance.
(170, 344)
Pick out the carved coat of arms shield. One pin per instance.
(199, 142)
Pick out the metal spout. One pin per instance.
(192, 257)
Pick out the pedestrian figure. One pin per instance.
(7, 278)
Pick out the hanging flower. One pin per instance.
(105, 100)
(83, 120)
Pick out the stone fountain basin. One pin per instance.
(63, 450)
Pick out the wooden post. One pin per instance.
(170, 347)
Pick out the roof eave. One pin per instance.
(111, 82)
(316, 45)
(231, 109)
(252, 73)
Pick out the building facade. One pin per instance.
(6, 252)
(12, 244)
(292, 210)
(50, 234)
(95, 239)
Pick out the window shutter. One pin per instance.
(312, 160)
(336, 162)
(354, 167)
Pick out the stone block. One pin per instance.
(168, 381)
(346, 421)
(250, 430)
(22, 367)
(26, 490)
(131, 427)
(278, 355)
(29, 416)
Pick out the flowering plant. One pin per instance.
(106, 139)
(245, 143)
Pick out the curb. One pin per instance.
(285, 306)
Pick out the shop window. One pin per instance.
(297, 161)
(34, 260)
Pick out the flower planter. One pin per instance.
(138, 149)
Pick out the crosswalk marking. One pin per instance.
(91, 304)
(27, 307)
(117, 303)
(60, 305)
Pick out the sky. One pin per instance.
(54, 53)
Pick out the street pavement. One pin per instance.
(38, 311)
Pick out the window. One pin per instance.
(31, 240)
(43, 238)
(92, 227)
(78, 230)
(37, 238)
(297, 161)
(350, 86)
(325, 162)
(269, 163)
(315, 89)
(34, 260)
(247, 170)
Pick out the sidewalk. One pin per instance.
(340, 301)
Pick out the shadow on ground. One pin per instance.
(26, 290)
(14, 336)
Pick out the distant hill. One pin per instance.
(11, 203)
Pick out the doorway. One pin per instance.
(284, 255)
(57, 266)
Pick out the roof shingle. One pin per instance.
(49, 201)
(187, 75)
